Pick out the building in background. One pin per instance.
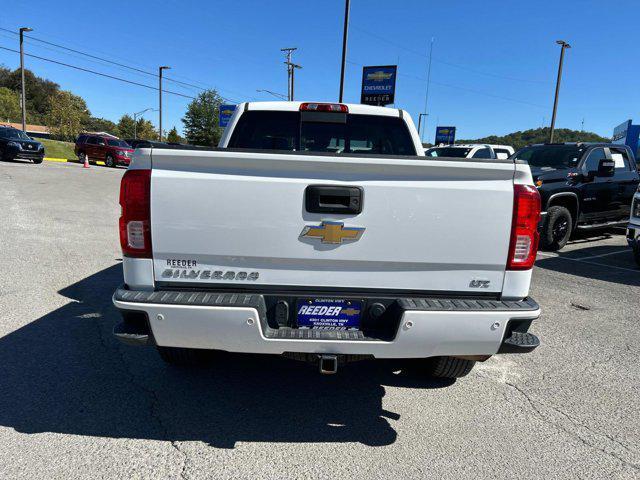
(627, 134)
(36, 131)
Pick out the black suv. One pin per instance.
(142, 143)
(582, 186)
(15, 143)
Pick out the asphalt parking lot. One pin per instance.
(76, 404)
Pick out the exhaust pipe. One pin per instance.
(328, 364)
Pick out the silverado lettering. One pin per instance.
(209, 274)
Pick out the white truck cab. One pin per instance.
(461, 150)
(320, 231)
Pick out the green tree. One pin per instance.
(9, 106)
(521, 139)
(39, 92)
(67, 115)
(201, 119)
(146, 130)
(141, 128)
(95, 124)
(126, 126)
(174, 136)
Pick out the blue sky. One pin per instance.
(493, 71)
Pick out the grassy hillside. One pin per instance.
(56, 149)
(539, 135)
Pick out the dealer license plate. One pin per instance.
(329, 314)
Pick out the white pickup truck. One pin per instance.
(321, 231)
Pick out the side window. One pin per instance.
(502, 153)
(621, 159)
(100, 141)
(82, 138)
(593, 159)
(482, 153)
(91, 141)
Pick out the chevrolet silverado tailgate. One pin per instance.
(230, 217)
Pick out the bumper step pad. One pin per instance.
(130, 334)
(519, 342)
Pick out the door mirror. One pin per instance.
(606, 168)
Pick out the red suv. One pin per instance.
(112, 151)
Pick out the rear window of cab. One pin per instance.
(322, 132)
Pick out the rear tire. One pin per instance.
(443, 367)
(109, 161)
(185, 357)
(557, 229)
(81, 157)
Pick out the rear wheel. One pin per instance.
(557, 229)
(443, 367)
(185, 357)
(82, 157)
(109, 161)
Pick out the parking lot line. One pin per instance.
(552, 255)
(626, 250)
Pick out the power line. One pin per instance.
(460, 88)
(122, 65)
(444, 62)
(97, 73)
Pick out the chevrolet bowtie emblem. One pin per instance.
(379, 76)
(332, 232)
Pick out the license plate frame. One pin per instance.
(320, 313)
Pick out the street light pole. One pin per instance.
(344, 47)
(160, 69)
(22, 88)
(563, 46)
(293, 70)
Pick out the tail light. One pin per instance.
(524, 228)
(324, 107)
(135, 219)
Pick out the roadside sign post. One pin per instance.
(446, 135)
(378, 85)
(225, 113)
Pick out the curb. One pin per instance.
(64, 160)
(49, 159)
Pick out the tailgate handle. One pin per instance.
(333, 199)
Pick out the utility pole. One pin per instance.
(160, 69)
(22, 88)
(563, 45)
(344, 47)
(426, 96)
(288, 52)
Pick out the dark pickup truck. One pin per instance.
(582, 186)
